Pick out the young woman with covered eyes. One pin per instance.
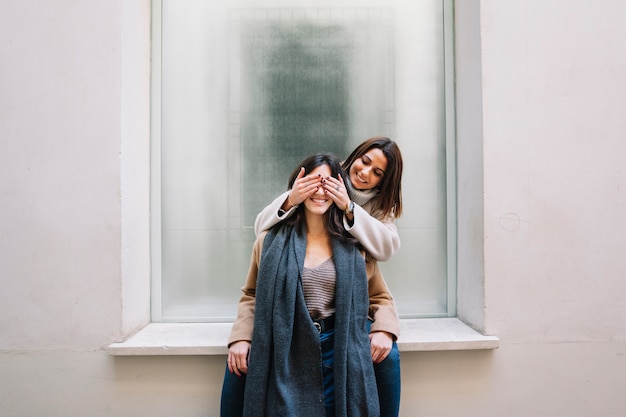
(301, 343)
(371, 200)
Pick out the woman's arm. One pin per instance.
(382, 305)
(379, 237)
(240, 339)
(244, 323)
(385, 327)
(273, 214)
(378, 234)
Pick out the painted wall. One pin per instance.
(541, 104)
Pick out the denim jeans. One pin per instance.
(232, 394)
(327, 343)
(387, 380)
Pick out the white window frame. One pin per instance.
(417, 334)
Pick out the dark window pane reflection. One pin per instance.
(296, 80)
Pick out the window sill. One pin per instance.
(210, 338)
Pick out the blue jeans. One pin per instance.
(232, 394)
(327, 343)
(387, 380)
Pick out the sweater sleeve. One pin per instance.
(379, 237)
(244, 323)
(382, 309)
(269, 216)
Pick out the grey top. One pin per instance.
(318, 284)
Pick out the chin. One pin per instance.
(358, 185)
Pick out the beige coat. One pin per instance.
(382, 307)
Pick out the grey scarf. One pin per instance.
(285, 376)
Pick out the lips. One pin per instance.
(319, 200)
(359, 179)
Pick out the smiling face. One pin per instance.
(319, 202)
(368, 171)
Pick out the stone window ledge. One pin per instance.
(210, 338)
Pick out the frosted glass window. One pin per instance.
(242, 91)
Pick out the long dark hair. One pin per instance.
(389, 198)
(333, 218)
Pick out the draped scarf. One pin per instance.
(285, 375)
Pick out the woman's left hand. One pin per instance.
(380, 345)
(336, 189)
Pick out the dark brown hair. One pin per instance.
(389, 198)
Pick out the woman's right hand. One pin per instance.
(303, 187)
(238, 354)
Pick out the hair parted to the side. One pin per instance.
(389, 199)
(333, 218)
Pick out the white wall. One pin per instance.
(60, 181)
(546, 125)
(554, 148)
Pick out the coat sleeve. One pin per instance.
(269, 216)
(244, 323)
(379, 237)
(382, 309)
